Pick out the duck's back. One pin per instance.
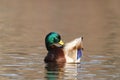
(73, 51)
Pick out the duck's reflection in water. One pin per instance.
(60, 71)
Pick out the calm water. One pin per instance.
(25, 23)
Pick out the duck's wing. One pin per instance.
(73, 50)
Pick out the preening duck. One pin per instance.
(59, 52)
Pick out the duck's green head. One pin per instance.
(52, 40)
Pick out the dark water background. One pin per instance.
(25, 23)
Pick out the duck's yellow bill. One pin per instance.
(61, 42)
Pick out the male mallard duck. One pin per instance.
(59, 52)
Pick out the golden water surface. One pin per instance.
(25, 23)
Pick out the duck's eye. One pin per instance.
(59, 37)
(56, 40)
